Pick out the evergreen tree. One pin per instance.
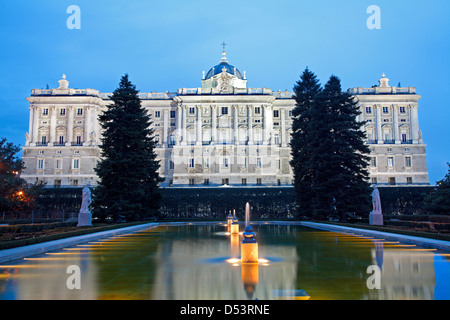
(438, 202)
(341, 178)
(16, 195)
(306, 91)
(329, 158)
(128, 170)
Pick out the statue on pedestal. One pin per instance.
(376, 217)
(85, 215)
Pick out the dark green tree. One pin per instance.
(16, 195)
(128, 169)
(306, 91)
(438, 202)
(329, 156)
(341, 155)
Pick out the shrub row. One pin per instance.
(27, 228)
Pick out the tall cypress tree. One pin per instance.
(128, 170)
(329, 158)
(306, 91)
(341, 175)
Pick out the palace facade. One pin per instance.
(220, 134)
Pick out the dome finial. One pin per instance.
(224, 58)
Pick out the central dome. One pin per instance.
(228, 68)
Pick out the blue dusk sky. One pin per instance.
(165, 45)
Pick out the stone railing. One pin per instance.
(65, 92)
(382, 90)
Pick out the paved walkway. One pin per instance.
(38, 248)
(427, 242)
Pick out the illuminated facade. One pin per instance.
(222, 133)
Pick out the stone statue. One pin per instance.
(85, 216)
(86, 201)
(376, 217)
(376, 201)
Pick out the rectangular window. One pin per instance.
(259, 181)
(157, 114)
(402, 110)
(171, 165)
(57, 183)
(62, 112)
(79, 112)
(279, 164)
(225, 181)
(191, 110)
(257, 110)
(206, 163)
(385, 110)
(61, 140)
(225, 162)
(374, 180)
(191, 163)
(75, 183)
(45, 112)
(390, 162)
(44, 140)
(276, 139)
(373, 161)
(276, 113)
(40, 164)
(58, 164)
(258, 162)
(79, 140)
(408, 180)
(290, 113)
(76, 164)
(244, 181)
(172, 114)
(368, 110)
(206, 182)
(392, 181)
(224, 110)
(407, 161)
(191, 182)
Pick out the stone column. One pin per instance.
(213, 124)
(52, 138)
(250, 125)
(199, 126)
(414, 120)
(166, 128)
(70, 115)
(184, 133)
(35, 131)
(87, 126)
(283, 127)
(235, 125)
(395, 124)
(379, 133)
(179, 125)
(268, 123)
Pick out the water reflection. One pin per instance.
(193, 262)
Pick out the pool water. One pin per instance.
(195, 262)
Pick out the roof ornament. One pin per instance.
(224, 58)
(63, 83)
(384, 82)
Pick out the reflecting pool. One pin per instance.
(203, 262)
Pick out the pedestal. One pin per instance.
(376, 218)
(84, 219)
(249, 252)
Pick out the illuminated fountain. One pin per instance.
(235, 225)
(249, 246)
(229, 221)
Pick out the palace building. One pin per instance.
(220, 134)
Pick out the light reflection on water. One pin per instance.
(202, 262)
